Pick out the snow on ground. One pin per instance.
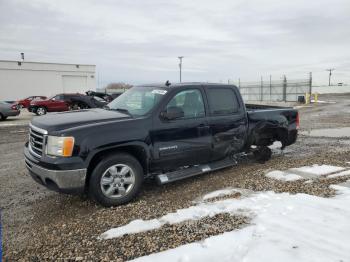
(281, 175)
(304, 172)
(276, 145)
(222, 193)
(344, 173)
(285, 227)
(318, 170)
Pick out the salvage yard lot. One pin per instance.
(42, 225)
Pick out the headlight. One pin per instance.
(60, 146)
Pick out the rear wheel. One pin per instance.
(262, 154)
(78, 106)
(41, 111)
(116, 180)
(2, 117)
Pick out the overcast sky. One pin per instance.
(139, 41)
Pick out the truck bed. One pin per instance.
(253, 107)
(267, 122)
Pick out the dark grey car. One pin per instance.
(7, 110)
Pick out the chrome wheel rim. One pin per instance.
(40, 111)
(117, 181)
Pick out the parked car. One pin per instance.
(65, 102)
(162, 132)
(104, 96)
(25, 103)
(7, 110)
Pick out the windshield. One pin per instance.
(138, 101)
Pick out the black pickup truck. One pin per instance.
(166, 132)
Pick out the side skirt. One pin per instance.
(194, 171)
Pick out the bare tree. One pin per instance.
(117, 86)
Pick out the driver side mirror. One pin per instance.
(172, 113)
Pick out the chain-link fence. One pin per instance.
(275, 90)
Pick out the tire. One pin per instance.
(262, 154)
(2, 117)
(83, 106)
(40, 111)
(74, 106)
(78, 106)
(106, 182)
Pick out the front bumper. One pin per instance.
(65, 181)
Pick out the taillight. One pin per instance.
(298, 120)
(14, 107)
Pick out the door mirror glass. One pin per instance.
(172, 112)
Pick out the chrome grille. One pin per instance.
(36, 140)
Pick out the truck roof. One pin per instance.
(176, 85)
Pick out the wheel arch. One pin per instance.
(139, 151)
(266, 132)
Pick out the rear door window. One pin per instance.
(222, 101)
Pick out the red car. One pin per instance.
(56, 103)
(65, 102)
(24, 103)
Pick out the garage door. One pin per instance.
(74, 84)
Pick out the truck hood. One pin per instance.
(71, 119)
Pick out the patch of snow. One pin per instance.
(344, 173)
(318, 170)
(308, 181)
(285, 227)
(220, 193)
(284, 176)
(276, 145)
(133, 227)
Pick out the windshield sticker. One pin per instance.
(159, 91)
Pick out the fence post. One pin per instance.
(284, 88)
(310, 83)
(261, 89)
(270, 89)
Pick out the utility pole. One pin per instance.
(330, 74)
(284, 88)
(180, 66)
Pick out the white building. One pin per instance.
(20, 79)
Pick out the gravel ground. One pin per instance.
(40, 225)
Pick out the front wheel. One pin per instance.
(116, 180)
